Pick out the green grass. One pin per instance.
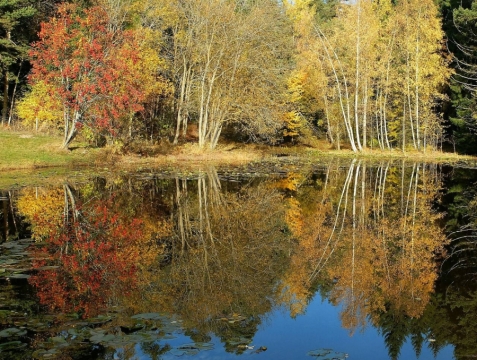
(22, 150)
(32, 151)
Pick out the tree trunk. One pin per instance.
(417, 94)
(404, 126)
(13, 95)
(181, 103)
(70, 130)
(365, 113)
(329, 131)
(356, 92)
(345, 111)
(5, 97)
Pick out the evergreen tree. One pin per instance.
(14, 30)
(464, 85)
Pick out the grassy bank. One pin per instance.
(22, 150)
(30, 151)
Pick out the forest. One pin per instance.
(358, 74)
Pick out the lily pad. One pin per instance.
(19, 276)
(58, 340)
(102, 338)
(37, 325)
(73, 332)
(204, 345)
(101, 319)
(186, 349)
(239, 341)
(191, 351)
(12, 345)
(147, 316)
(12, 332)
(327, 354)
(45, 354)
(170, 328)
(319, 352)
(39, 354)
(177, 352)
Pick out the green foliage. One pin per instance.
(324, 10)
(14, 14)
(458, 22)
(15, 32)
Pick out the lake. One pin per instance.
(339, 260)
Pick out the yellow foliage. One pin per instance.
(39, 107)
(291, 182)
(43, 208)
(295, 123)
(294, 218)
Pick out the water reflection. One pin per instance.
(454, 306)
(372, 232)
(220, 256)
(10, 225)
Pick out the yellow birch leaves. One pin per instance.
(381, 70)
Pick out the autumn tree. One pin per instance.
(39, 108)
(375, 74)
(425, 69)
(229, 61)
(94, 69)
(306, 82)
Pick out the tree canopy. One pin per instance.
(362, 75)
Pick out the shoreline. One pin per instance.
(31, 152)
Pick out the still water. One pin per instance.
(340, 260)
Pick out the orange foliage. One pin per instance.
(97, 254)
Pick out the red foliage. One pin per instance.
(91, 67)
(96, 262)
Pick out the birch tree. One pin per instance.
(231, 58)
(424, 68)
(381, 72)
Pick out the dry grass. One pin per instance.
(22, 150)
(191, 154)
(428, 156)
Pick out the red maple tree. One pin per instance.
(91, 67)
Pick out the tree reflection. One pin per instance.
(454, 307)
(222, 257)
(11, 226)
(210, 256)
(372, 232)
(91, 250)
(225, 259)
